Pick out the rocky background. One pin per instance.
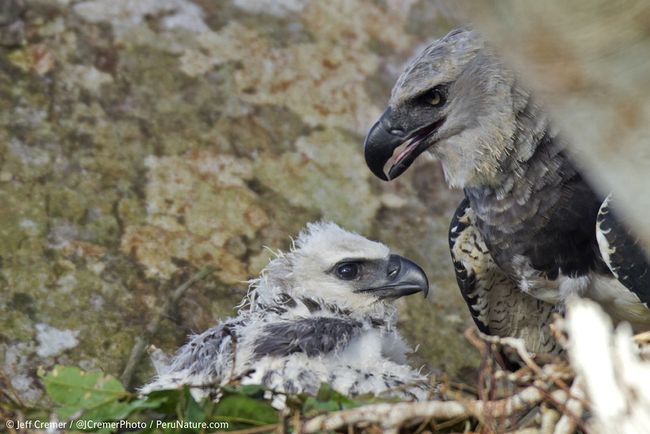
(143, 140)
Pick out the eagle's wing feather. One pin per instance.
(622, 253)
(312, 336)
(495, 302)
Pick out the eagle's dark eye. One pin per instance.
(436, 97)
(347, 270)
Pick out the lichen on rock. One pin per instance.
(196, 203)
(145, 139)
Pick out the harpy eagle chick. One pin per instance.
(321, 313)
(531, 231)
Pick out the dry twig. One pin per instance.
(394, 415)
(574, 408)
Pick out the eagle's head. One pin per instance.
(342, 268)
(456, 100)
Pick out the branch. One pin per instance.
(574, 407)
(394, 415)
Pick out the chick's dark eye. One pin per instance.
(347, 270)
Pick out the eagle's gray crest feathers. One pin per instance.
(309, 319)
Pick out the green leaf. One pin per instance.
(73, 389)
(327, 399)
(327, 393)
(313, 406)
(242, 408)
(193, 412)
(97, 396)
(251, 390)
(164, 401)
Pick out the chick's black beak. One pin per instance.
(403, 277)
(379, 146)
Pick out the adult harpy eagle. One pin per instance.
(321, 313)
(531, 230)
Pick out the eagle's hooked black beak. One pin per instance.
(403, 277)
(381, 142)
(379, 147)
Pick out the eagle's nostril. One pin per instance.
(393, 267)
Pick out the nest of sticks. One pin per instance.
(543, 396)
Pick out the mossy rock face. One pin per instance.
(144, 140)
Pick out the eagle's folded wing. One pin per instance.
(496, 304)
(622, 253)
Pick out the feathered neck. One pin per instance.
(535, 156)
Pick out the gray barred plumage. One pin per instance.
(528, 211)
